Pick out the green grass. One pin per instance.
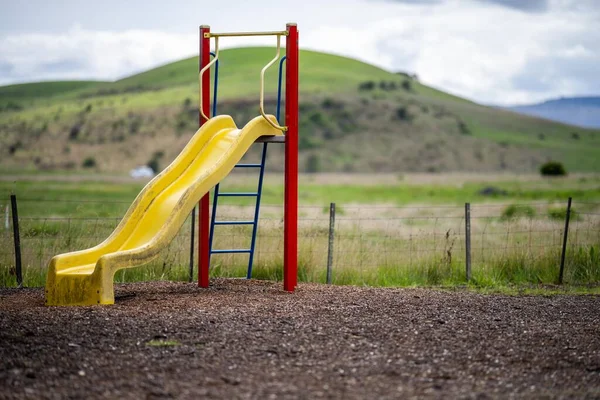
(514, 273)
(375, 246)
(36, 90)
(238, 77)
(105, 199)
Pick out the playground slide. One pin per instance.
(156, 215)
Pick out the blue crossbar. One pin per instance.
(234, 222)
(238, 194)
(248, 165)
(230, 251)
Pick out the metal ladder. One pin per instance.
(254, 222)
(258, 194)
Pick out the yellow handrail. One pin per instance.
(262, 73)
(207, 66)
(262, 88)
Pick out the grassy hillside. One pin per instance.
(36, 90)
(354, 117)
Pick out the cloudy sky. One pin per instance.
(492, 51)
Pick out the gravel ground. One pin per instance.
(249, 339)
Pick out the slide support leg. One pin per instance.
(290, 252)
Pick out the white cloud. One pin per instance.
(477, 49)
(83, 54)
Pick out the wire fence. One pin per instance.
(371, 245)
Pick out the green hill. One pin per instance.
(43, 89)
(354, 117)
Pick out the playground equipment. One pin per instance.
(160, 209)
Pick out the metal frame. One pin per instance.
(204, 205)
(262, 87)
(290, 228)
(291, 155)
(257, 194)
(237, 34)
(200, 83)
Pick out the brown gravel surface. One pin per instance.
(249, 339)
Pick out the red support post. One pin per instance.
(203, 214)
(290, 229)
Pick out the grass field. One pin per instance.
(316, 189)
(401, 234)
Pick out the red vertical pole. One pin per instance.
(203, 215)
(290, 229)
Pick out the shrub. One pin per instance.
(329, 103)
(306, 142)
(154, 162)
(560, 214)
(317, 118)
(463, 128)
(383, 85)
(12, 149)
(514, 211)
(181, 125)
(553, 168)
(89, 162)
(74, 132)
(406, 85)
(313, 163)
(368, 85)
(402, 114)
(11, 106)
(134, 125)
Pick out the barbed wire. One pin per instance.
(74, 201)
(364, 236)
(586, 202)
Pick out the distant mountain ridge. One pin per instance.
(579, 111)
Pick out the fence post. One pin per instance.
(17, 240)
(564, 246)
(330, 245)
(468, 240)
(6, 224)
(192, 245)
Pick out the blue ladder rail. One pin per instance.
(258, 194)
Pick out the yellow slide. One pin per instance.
(156, 215)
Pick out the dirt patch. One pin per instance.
(249, 339)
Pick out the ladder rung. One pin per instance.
(225, 251)
(234, 222)
(248, 165)
(238, 194)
